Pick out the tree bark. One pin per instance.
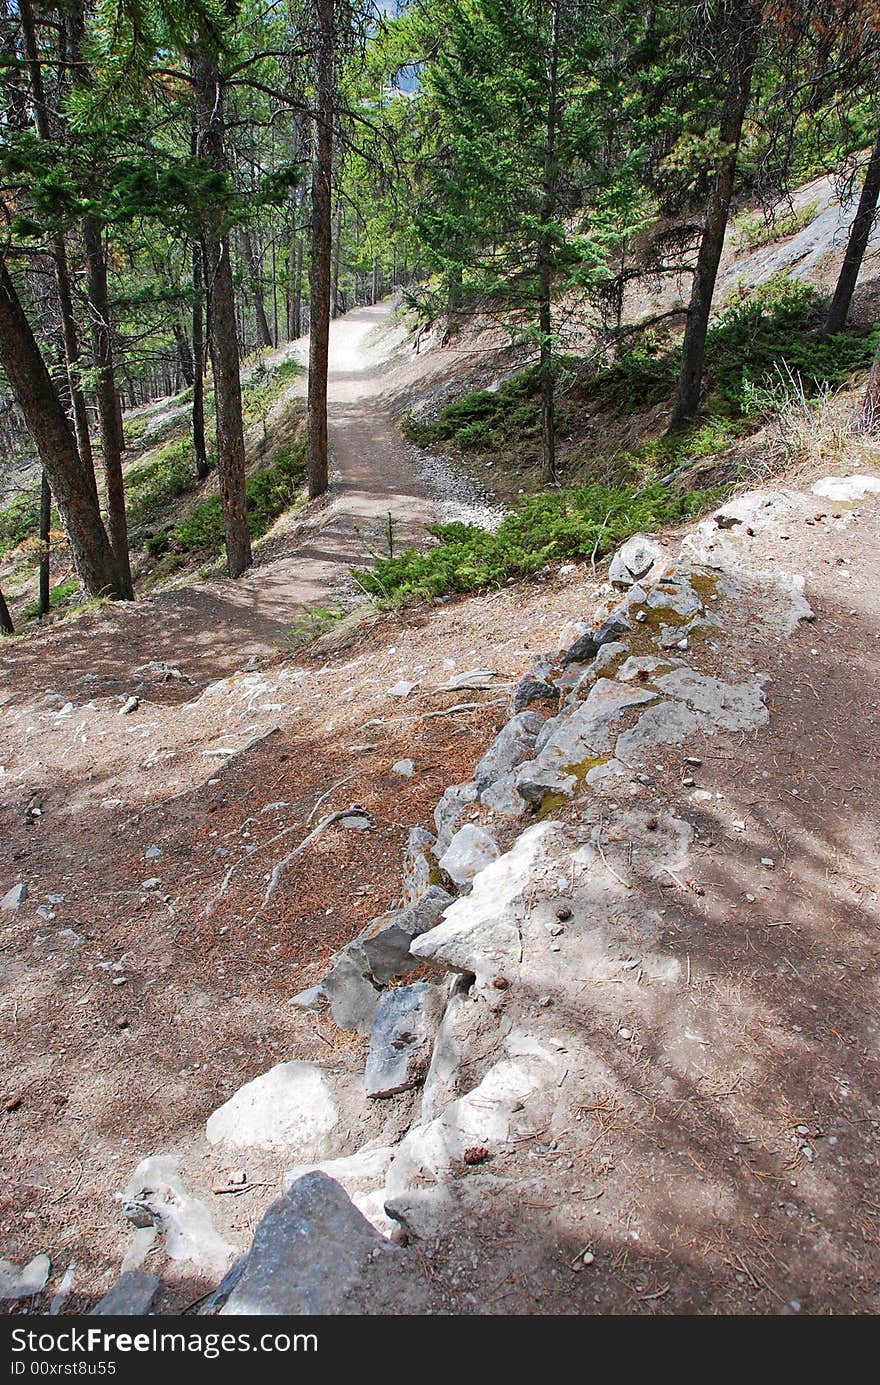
(337, 257)
(859, 236)
(6, 625)
(745, 34)
(294, 326)
(223, 334)
(319, 269)
(200, 450)
(107, 398)
(45, 523)
(53, 437)
(252, 260)
(545, 264)
(184, 355)
(69, 329)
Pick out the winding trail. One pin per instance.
(210, 629)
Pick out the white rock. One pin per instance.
(156, 1196)
(20, 1281)
(401, 689)
(291, 1109)
(845, 489)
(470, 851)
(479, 933)
(405, 768)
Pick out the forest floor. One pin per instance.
(144, 981)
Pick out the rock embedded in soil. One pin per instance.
(313, 1253)
(531, 690)
(469, 852)
(20, 1281)
(846, 489)
(418, 865)
(633, 560)
(155, 1196)
(351, 993)
(403, 1035)
(132, 1296)
(362, 1175)
(480, 933)
(384, 943)
(450, 810)
(291, 1109)
(513, 744)
(14, 898)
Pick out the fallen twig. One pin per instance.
(328, 821)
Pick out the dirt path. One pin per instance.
(208, 630)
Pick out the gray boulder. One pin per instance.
(384, 944)
(531, 689)
(132, 1296)
(633, 560)
(351, 992)
(449, 812)
(513, 744)
(313, 1253)
(418, 864)
(535, 780)
(402, 1039)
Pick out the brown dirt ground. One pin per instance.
(693, 1191)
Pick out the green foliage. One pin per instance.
(576, 522)
(756, 230)
(152, 484)
(264, 386)
(313, 622)
(773, 327)
(20, 520)
(484, 418)
(59, 596)
(270, 491)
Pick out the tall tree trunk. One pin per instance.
(184, 355)
(252, 260)
(6, 625)
(745, 34)
(53, 437)
(545, 264)
(294, 327)
(200, 451)
(337, 256)
(860, 234)
(45, 523)
(223, 333)
(319, 269)
(69, 329)
(107, 398)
